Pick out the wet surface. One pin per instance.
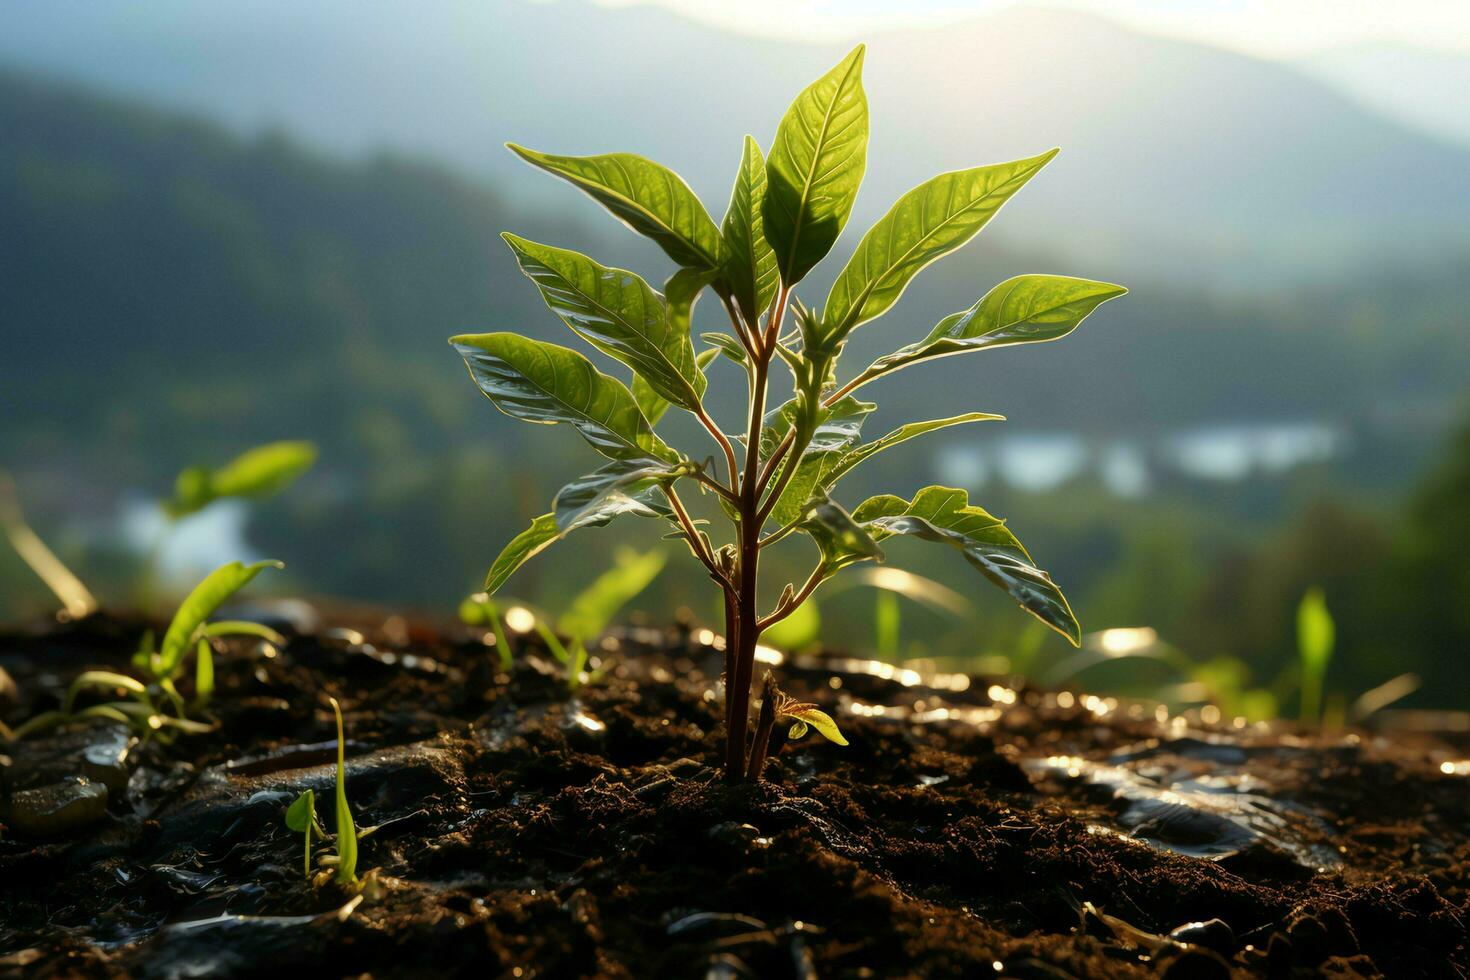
(973, 827)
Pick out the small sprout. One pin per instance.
(346, 829)
(809, 714)
(778, 707)
(481, 610)
(301, 817)
(160, 669)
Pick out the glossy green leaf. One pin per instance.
(544, 383)
(837, 430)
(544, 531)
(346, 829)
(647, 197)
(841, 540)
(256, 472)
(902, 434)
(1022, 310)
(751, 266)
(619, 314)
(651, 403)
(105, 680)
(944, 515)
(199, 605)
(594, 607)
(815, 167)
(810, 714)
(925, 224)
(729, 346)
(612, 486)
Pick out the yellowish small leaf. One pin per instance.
(810, 714)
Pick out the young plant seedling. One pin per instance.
(346, 829)
(301, 817)
(585, 618)
(149, 697)
(785, 213)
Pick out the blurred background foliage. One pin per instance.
(1279, 405)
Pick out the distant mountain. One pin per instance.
(1430, 89)
(1179, 159)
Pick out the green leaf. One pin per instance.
(815, 167)
(810, 714)
(841, 540)
(619, 314)
(902, 434)
(544, 531)
(105, 680)
(928, 222)
(727, 345)
(301, 814)
(595, 606)
(647, 197)
(256, 472)
(539, 382)
(943, 514)
(651, 403)
(199, 605)
(1022, 310)
(346, 829)
(1315, 630)
(751, 266)
(836, 431)
(614, 485)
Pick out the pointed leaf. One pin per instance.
(544, 531)
(815, 167)
(723, 343)
(200, 604)
(898, 435)
(1023, 310)
(751, 266)
(544, 383)
(943, 514)
(928, 222)
(646, 196)
(619, 314)
(611, 488)
(651, 403)
(810, 714)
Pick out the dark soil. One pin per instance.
(969, 830)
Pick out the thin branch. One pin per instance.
(717, 487)
(696, 542)
(723, 440)
(773, 461)
(743, 331)
(789, 606)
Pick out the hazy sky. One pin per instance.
(1273, 28)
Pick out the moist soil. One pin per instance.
(973, 827)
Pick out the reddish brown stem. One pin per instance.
(765, 724)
